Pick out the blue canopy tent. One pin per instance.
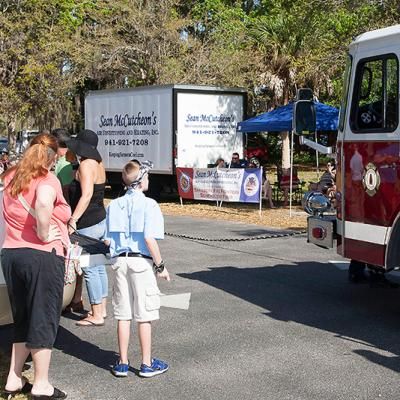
(281, 120)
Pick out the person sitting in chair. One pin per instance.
(326, 184)
(220, 163)
(236, 162)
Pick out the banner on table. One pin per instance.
(224, 184)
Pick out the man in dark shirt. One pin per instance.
(236, 162)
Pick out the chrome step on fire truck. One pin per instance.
(366, 225)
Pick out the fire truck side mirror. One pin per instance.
(304, 117)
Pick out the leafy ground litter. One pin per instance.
(247, 213)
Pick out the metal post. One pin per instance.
(261, 189)
(291, 177)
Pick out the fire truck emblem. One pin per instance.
(371, 179)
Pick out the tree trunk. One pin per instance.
(80, 119)
(12, 139)
(285, 150)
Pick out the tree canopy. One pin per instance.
(54, 51)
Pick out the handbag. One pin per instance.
(72, 250)
(89, 245)
(72, 264)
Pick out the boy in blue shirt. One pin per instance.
(134, 223)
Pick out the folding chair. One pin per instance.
(282, 186)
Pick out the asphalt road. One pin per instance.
(268, 319)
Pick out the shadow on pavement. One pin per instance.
(69, 344)
(318, 295)
(86, 351)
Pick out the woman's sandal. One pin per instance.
(90, 314)
(26, 388)
(88, 322)
(57, 394)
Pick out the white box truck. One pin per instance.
(171, 125)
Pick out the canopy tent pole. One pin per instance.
(291, 176)
(317, 154)
(261, 189)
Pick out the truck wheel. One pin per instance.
(378, 278)
(357, 272)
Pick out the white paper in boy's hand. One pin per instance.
(74, 251)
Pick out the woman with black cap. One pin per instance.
(86, 194)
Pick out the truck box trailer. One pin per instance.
(171, 125)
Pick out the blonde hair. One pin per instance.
(130, 172)
(34, 164)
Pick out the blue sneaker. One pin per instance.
(157, 367)
(120, 369)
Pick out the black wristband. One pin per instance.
(158, 268)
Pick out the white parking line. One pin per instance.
(180, 301)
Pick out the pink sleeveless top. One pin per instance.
(20, 225)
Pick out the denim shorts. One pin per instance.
(96, 275)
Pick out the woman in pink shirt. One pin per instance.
(32, 259)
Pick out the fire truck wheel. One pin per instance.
(378, 278)
(357, 272)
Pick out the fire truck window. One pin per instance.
(392, 84)
(376, 96)
(371, 96)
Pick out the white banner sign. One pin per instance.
(238, 185)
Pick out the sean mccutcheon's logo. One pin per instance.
(371, 179)
(184, 182)
(251, 185)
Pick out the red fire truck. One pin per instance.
(367, 219)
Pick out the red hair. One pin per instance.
(34, 164)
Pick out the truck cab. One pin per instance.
(367, 223)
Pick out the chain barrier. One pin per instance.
(269, 236)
